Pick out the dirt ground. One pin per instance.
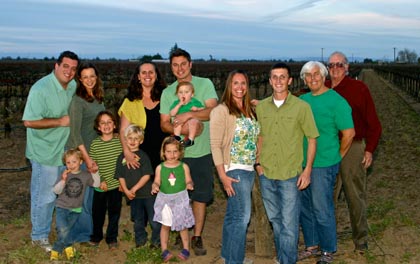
(394, 215)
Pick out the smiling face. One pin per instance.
(65, 71)
(181, 68)
(133, 141)
(88, 78)
(147, 75)
(239, 86)
(337, 67)
(185, 93)
(106, 125)
(73, 163)
(315, 80)
(280, 81)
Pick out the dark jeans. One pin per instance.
(138, 208)
(110, 201)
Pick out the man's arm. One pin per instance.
(203, 115)
(44, 123)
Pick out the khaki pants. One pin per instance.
(353, 178)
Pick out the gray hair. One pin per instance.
(307, 67)
(339, 53)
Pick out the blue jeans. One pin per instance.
(43, 198)
(65, 219)
(317, 215)
(138, 207)
(282, 203)
(83, 228)
(238, 213)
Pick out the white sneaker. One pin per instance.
(43, 243)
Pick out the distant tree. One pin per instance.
(408, 56)
(367, 60)
(175, 47)
(157, 56)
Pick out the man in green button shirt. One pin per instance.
(285, 120)
(47, 122)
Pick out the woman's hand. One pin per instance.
(227, 184)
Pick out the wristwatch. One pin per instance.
(256, 165)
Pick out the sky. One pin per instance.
(220, 29)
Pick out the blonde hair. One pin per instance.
(72, 152)
(134, 129)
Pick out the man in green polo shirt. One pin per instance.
(47, 122)
(285, 120)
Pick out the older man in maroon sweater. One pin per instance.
(368, 131)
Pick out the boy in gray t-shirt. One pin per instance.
(70, 189)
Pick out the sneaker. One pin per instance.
(361, 248)
(113, 245)
(43, 243)
(307, 253)
(54, 255)
(167, 255)
(178, 138)
(184, 254)
(141, 243)
(326, 258)
(187, 143)
(197, 245)
(70, 251)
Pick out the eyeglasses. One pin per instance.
(336, 65)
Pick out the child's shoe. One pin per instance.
(69, 252)
(178, 138)
(187, 142)
(184, 254)
(167, 255)
(54, 255)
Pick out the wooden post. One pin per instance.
(264, 241)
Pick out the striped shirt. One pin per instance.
(105, 153)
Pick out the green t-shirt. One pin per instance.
(203, 91)
(172, 180)
(47, 99)
(187, 107)
(282, 131)
(332, 113)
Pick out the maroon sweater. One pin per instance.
(365, 119)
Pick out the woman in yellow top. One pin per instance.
(141, 107)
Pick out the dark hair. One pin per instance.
(171, 140)
(281, 65)
(135, 89)
(98, 119)
(227, 98)
(179, 53)
(81, 91)
(67, 54)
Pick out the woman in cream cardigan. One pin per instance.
(233, 139)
